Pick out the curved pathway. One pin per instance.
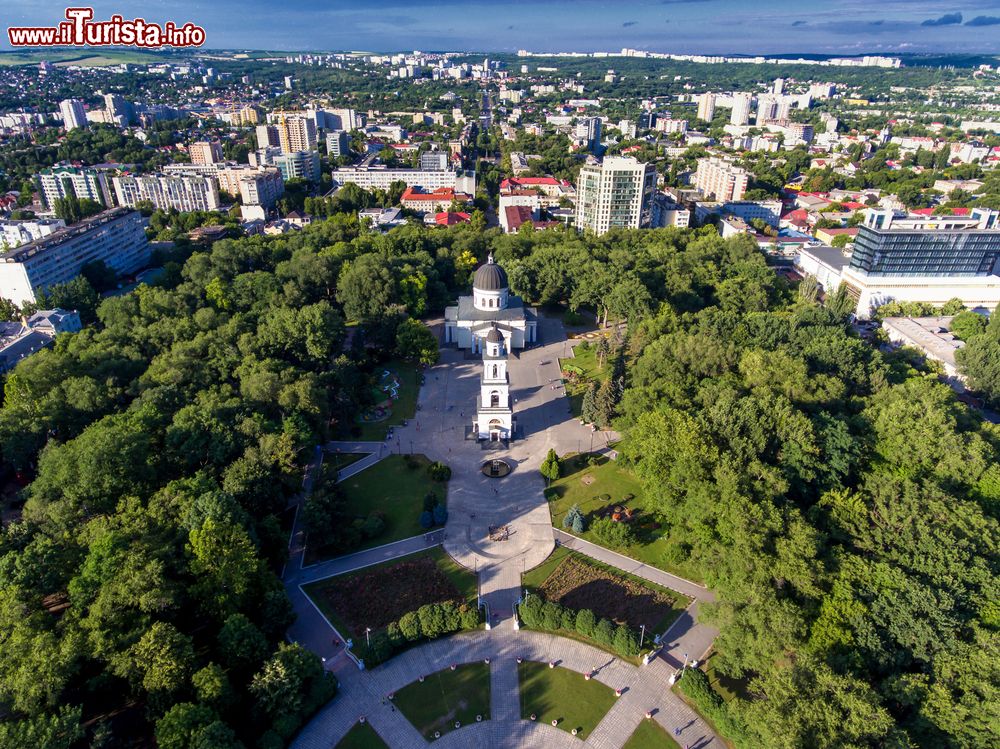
(474, 504)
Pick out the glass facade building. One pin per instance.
(888, 245)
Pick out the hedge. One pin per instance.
(538, 613)
(429, 622)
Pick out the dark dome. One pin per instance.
(490, 277)
(494, 336)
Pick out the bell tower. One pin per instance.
(494, 415)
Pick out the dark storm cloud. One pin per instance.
(984, 21)
(629, 23)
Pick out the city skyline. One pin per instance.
(682, 26)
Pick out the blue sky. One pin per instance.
(712, 26)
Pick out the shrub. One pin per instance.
(551, 468)
(395, 634)
(430, 501)
(409, 626)
(572, 516)
(551, 615)
(440, 515)
(426, 519)
(585, 621)
(610, 533)
(583, 346)
(568, 621)
(470, 617)
(579, 525)
(604, 633)
(694, 684)
(625, 641)
(531, 610)
(432, 621)
(373, 526)
(572, 317)
(439, 471)
(593, 460)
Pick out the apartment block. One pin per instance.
(205, 152)
(182, 193)
(615, 194)
(721, 180)
(116, 238)
(81, 182)
(73, 114)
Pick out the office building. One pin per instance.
(296, 133)
(721, 180)
(205, 152)
(267, 136)
(73, 114)
(338, 143)
(706, 107)
(741, 110)
(182, 193)
(615, 194)
(925, 259)
(298, 165)
(80, 182)
(434, 161)
(116, 238)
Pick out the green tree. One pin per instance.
(415, 341)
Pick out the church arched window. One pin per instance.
(496, 371)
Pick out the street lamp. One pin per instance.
(685, 661)
(642, 635)
(368, 637)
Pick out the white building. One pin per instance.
(81, 182)
(15, 233)
(706, 107)
(116, 238)
(494, 412)
(615, 194)
(382, 177)
(19, 340)
(73, 114)
(182, 193)
(491, 306)
(741, 109)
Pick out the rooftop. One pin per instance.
(22, 253)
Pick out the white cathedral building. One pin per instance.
(491, 307)
(494, 415)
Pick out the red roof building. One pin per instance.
(450, 218)
(418, 199)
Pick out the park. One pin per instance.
(507, 624)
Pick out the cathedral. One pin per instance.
(490, 307)
(494, 415)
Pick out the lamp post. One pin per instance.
(368, 637)
(642, 635)
(685, 662)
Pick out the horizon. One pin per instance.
(710, 27)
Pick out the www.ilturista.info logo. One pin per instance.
(79, 29)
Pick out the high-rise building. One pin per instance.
(338, 143)
(615, 194)
(80, 182)
(767, 109)
(925, 259)
(588, 132)
(778, 87)
(706, 107)
(741, 109)
(721, 180)
(267, 136)
(296, 133)
(298, 165)
(73, 114)
(262, 187)
(182, 193)
(205, 152)
(119, 110)
(116, 238)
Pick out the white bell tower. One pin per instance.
(494, 415)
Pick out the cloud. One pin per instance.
(800, 23)
(876, 23)
(948, 19)
(984, 21)
(629, 23)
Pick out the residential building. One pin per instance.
(383, 219)
(378, 175)
(588, 133)
(298, 165)
(741, 109)
(267, 136)
(119, 110)
(721, 180)
(73, 114)
(706, 107)
(182, 193)
(668, 125)
(205, 152)
(615, 194)
(665, 213)
(261, 187)
(768, 211)
(19, 340)
(338, 143)
(116, 237)
(296, 133)
(80, 182)
(15, 233)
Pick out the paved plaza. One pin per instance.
(475, 504)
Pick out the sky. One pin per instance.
(681, 26)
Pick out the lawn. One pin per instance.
(578, 582)
(362, 736)
(446, 697)
(403, 407)
(380, 594)
(650, 735)
(341, 460)
(598, 489)
(395, 487)
(563, 695)
(577, 382)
